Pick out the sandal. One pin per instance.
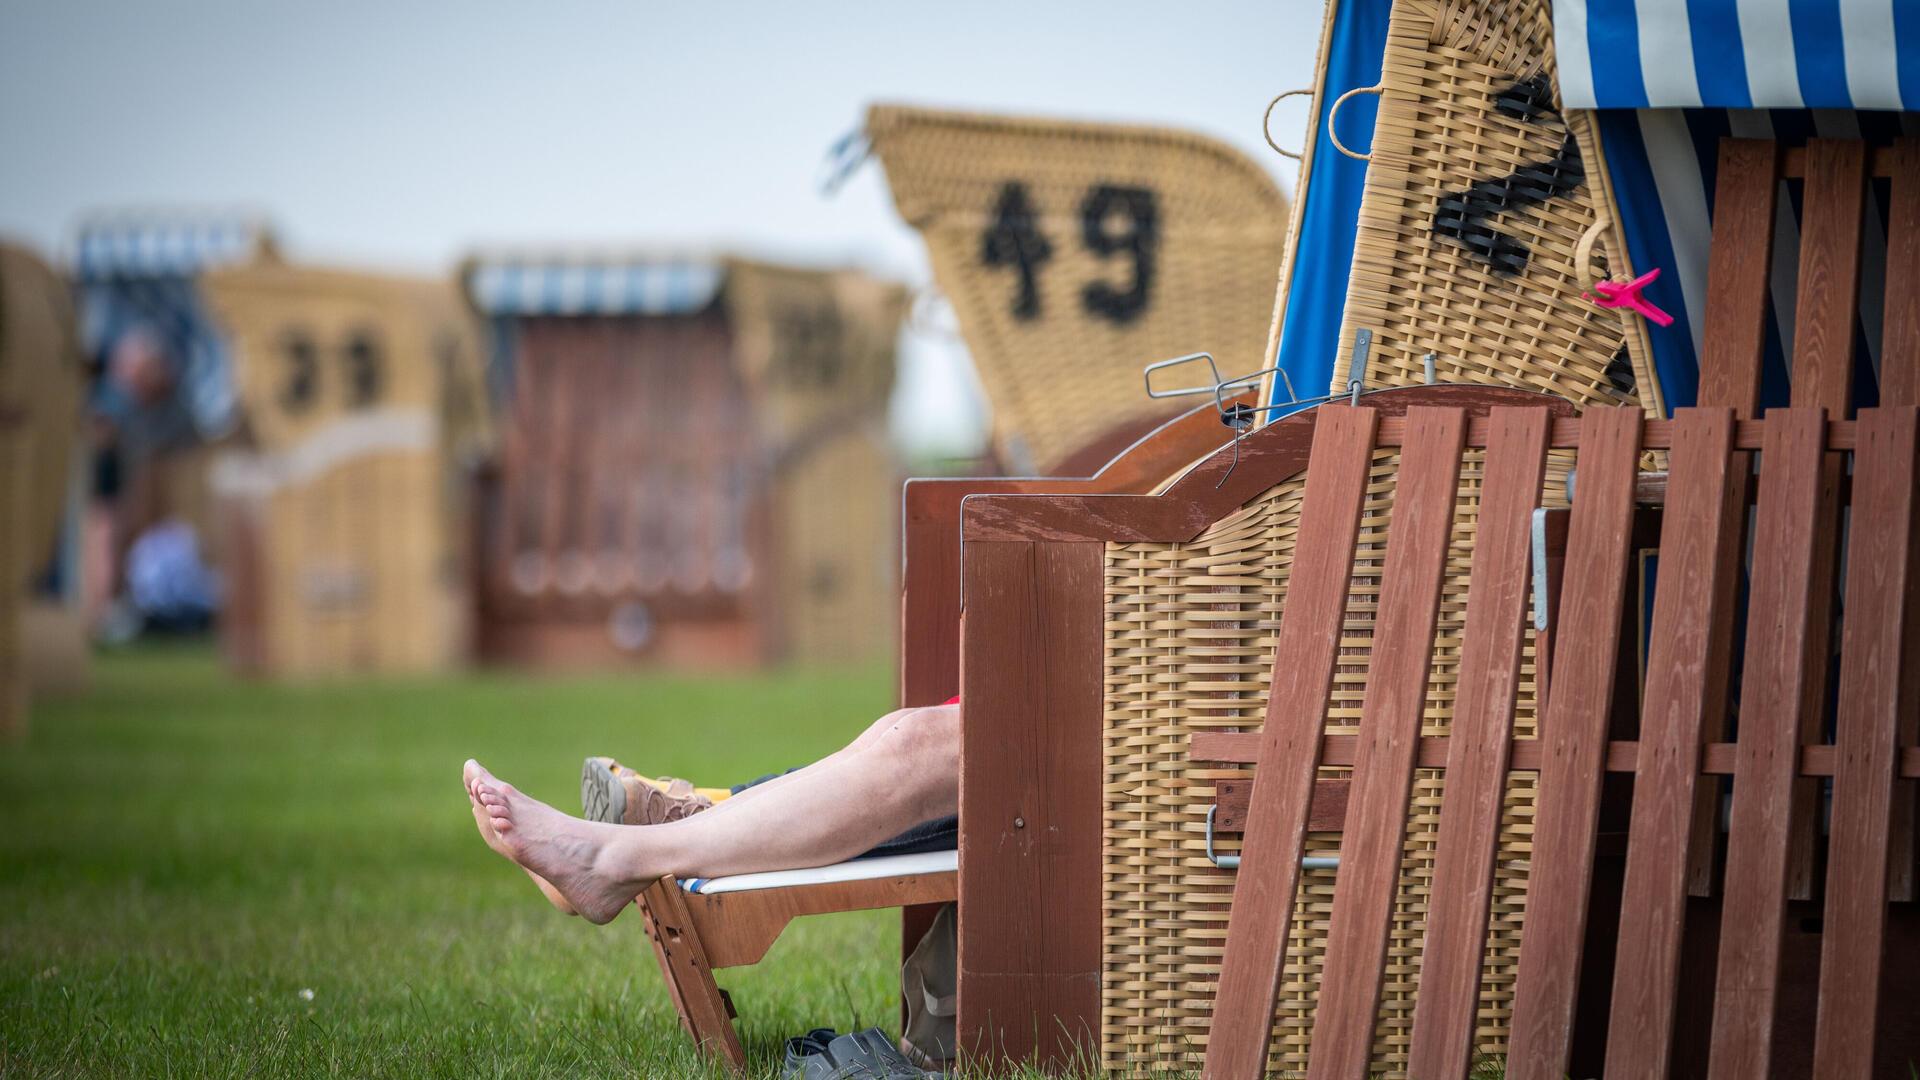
(613, 793)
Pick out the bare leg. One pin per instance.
(865, 739)
(835, 809)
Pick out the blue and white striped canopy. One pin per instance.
(1738, 54)
(510, 286)
(162, 246)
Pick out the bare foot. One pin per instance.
(563, 850)
(485, 824)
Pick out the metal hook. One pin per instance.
(1292, 394)
(1241, 417)
(1213, 383)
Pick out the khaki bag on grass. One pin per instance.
(927, 983)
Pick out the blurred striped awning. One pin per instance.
(1738, 54)
(139, 269)
(505, 286)
(148, 246)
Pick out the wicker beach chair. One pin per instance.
(699, 927)
(1074, 253)
(41, 387)
(1103, 633)
(13, 547)
(343, 507)
(1821, 959)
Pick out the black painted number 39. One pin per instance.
(1114, 220)
(362, 364)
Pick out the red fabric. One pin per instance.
(954, 700)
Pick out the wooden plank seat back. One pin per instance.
(694, 934)
(1101, 633)
(1871, 753)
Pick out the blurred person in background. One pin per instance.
(137, 415)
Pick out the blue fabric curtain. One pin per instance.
(1317, 292)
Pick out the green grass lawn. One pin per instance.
(200, 876)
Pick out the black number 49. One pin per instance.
(1014, 239)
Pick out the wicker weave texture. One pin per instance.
(1477, 195)
(355, 566)
(839, 527)
(41, 386)
(1139, 244)
(15, 460)
(1190, 648)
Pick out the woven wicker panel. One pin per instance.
(41, 385)
(354, 571)
(1064, 206)
(1190, 647)
(1477, 195)
(838, 523)
(15, 472)
(816, 347)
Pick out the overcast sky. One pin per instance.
(401, 135)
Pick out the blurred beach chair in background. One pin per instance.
(362, 412)
(41, 389)
(694, 467)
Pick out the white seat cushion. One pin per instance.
(931, 862)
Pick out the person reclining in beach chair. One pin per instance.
(803, 818)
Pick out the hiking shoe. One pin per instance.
(863, 1055)
(615, 794)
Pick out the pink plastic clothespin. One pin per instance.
(1616, 294)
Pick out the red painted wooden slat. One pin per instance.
(1829, 293)
(1776, 670)
(1900, 337)
(1739, 262)
(1308, 639)
(1881, 597)
(1738, 285)
(1900, 385)
(1396, 697)
(1574, 731)
(1031, 670)
(1444, 1015)
(1738, 289)
(1679, 685)
(1822, 372)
